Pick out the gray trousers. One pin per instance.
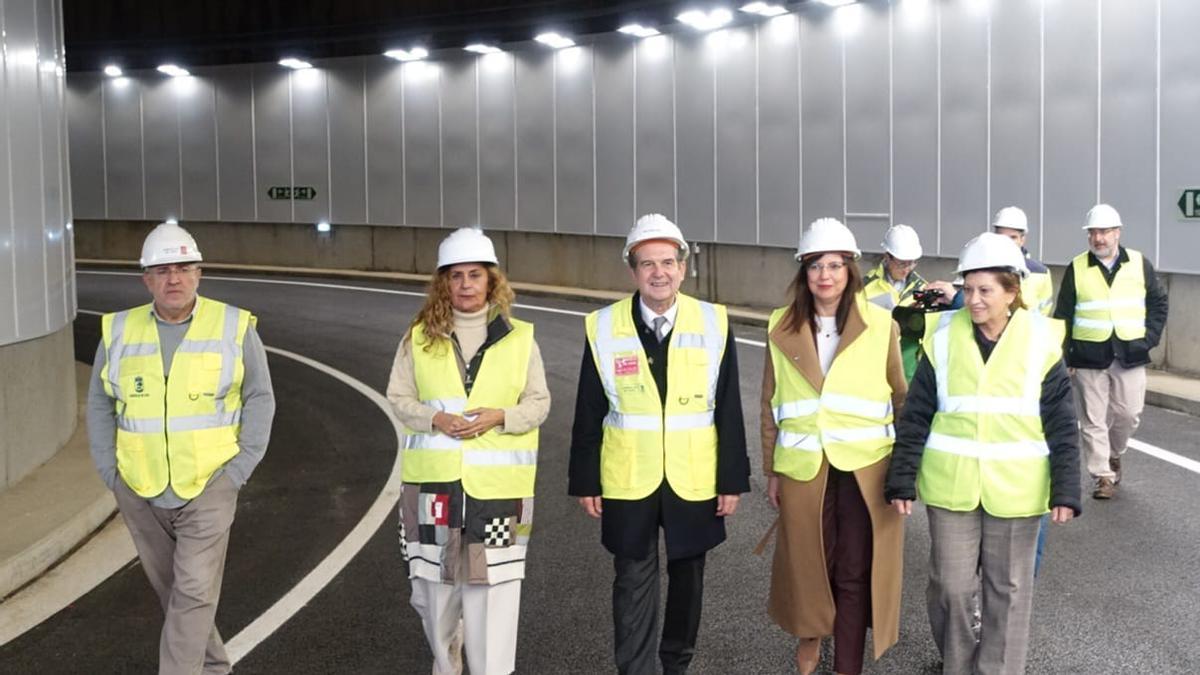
(974, 552)
(183, 554)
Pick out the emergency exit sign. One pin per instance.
(1189, 203)
(302, 192)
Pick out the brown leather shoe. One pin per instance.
(1105, 489)
(808, 655)
(1114, 463)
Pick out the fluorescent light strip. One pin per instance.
(482, 49)
(295, 64)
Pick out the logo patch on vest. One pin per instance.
(139, 385)
(626, 365)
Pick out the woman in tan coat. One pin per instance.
(832, 383)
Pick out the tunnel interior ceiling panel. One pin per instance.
(534, 86)
(821, 117)
(574, 146)
(1180, 237)
(385, 142)
(656, 136)
(734, 53)
(615, 160)
(497, 142)
(1016, 113)
(236, 192)
(460, 143)
(694, 128)
(915, 124)
(310, 143)
(86, 144)
(868, 121)
(964, 67)
(347, 142)
(272, 140)
(1128, 118)
(1071, 86)
(198, 152)
(778, 142)
(422, 144)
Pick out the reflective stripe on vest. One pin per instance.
(494, 465)
(175, 430)
(643, 442)
(986, 445)
(1101, 309)
(850, 419)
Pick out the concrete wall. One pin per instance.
(37, 402)
(749, 276)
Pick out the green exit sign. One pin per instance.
(1189, 203)
(302, 192)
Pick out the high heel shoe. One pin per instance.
(808, 655)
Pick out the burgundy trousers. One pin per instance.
(846, 526)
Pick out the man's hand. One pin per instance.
(592, 506)
(773, 491)
(948, 291)
(480, 421)
(903, 506)
(727, 504)
(1062, 514)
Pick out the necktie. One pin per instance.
(660, 325)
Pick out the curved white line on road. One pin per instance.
(303, 592)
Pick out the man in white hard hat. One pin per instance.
(894, 281)
(1115, 311)
(1037, 288)
(179, 415)
(658, 441)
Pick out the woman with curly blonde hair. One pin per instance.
(469, 387)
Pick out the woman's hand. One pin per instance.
(773, 491)
(903, 506)
(480, 421)
(448, 423)
(1062, 514)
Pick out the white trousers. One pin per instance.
(478, 618)
(1111, 402)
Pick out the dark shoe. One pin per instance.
(1114, 463)
(1105, 489)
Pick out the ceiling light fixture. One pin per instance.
(482, 49)
(764, 9)
(112, 71)
(555, 41)
(172, 70)
(638, 30)
(295, 64)
(703, 21)
(414, 54)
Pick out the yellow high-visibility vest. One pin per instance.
(850, 419)
(986, 444)
(494, 465)
(880, 292)
(1037, 290)
(1100, 309)
(176, 428)
(642, 440)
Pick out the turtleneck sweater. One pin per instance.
(470, 329)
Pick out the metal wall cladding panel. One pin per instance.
(87, 145)
(385, 142)
(616, 176)
(655, 135)
(460, 142)
(422, 144)
(8, 279)
(574, 144)
(868, 133)
(535, 140)
(965, 210)
(1071, 86)
(821, 117)
(1129, 118)
(236, 188)
(123, 148)
(160, 130)
(1016, 112)
(779, 132)
(1180, 238)
(915, 125)
(347, 144)
(695, 58)
(497, 142)
(198, 148)
(310, 143)
(736, 63)
(272, 140)
(50, 84)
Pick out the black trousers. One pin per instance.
(635, 613)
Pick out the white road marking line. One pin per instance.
(303, 592)
(1165, 455)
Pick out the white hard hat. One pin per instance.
(827, 235)
(169, 243)
(1011, 217)
(902, 242)
(1102, 216)
(466, 245)
(990, 250)
(653, 226)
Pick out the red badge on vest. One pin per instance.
(626, 365)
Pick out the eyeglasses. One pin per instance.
(903, 263)
(164, 271)
(833, 267)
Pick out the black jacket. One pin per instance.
(630, 527)
(1058, 424)
(1100, 355)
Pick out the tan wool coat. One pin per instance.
(801, 600)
